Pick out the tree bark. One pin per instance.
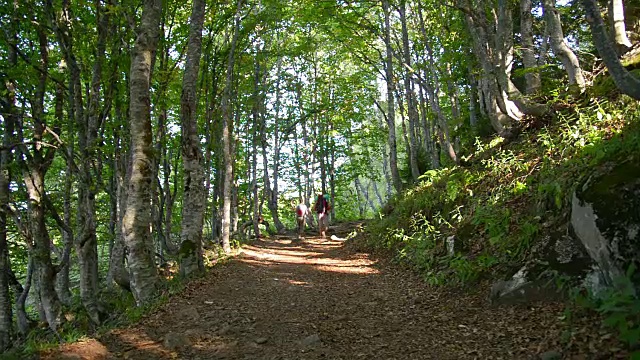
(227, 139)
(6, 316)
(275, 193)
(616, 17)
(624, 80)
(412, 113)
(393, 152)
(33, 172)
(190, 256)
(137, 219)
(559, 45)
(532, 76)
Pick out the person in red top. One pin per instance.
(322, 208)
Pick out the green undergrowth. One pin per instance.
(508, 196)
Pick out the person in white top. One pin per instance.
(302, 211)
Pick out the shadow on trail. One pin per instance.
(315, 299)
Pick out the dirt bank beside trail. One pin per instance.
(319, 299)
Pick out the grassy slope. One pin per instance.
(512, 195)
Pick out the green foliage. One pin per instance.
(619, 307)
(495, 206)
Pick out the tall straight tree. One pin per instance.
(412, 112)
(137, 218)
(227, 121)
(193, 207)
(7, 89)
(391, 112)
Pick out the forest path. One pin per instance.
(320, 299)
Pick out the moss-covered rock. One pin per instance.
(606, 218)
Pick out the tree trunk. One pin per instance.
(62, 278)
(227, 120)
(616, 17)
(532, 76)
(190, 256)
(624, 80)
(33, 175)
(393, 152)
(412, 113)
(257, 129)
(559, 45)
(273, 201)
(473, 99)
(137, 219)
(6, 316)
(122, 173)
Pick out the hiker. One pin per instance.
(322, 208)
(302, 210)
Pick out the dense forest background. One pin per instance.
(136, 134)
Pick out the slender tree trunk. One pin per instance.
(559, 45)
(191, 260)
(227, 119)
(122, 173)
(6, 316)
(616, 17)
(62, 278)
(473, 99)
(385, 154)
(359, 197)
(256, 133)
(23, 322)
(532, 77)
(403, 125)
(273, 201)
(85, 240)
(377, 191)
(412, 113)
(624, 80)
(393, 152)
(137, 219)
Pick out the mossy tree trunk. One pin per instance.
(137, 218)
(192, 159)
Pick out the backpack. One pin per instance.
(322, 206)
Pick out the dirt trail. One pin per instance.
(319, 299)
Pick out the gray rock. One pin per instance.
(605, 217)
(261, 340)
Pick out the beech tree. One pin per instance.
(137, 217)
